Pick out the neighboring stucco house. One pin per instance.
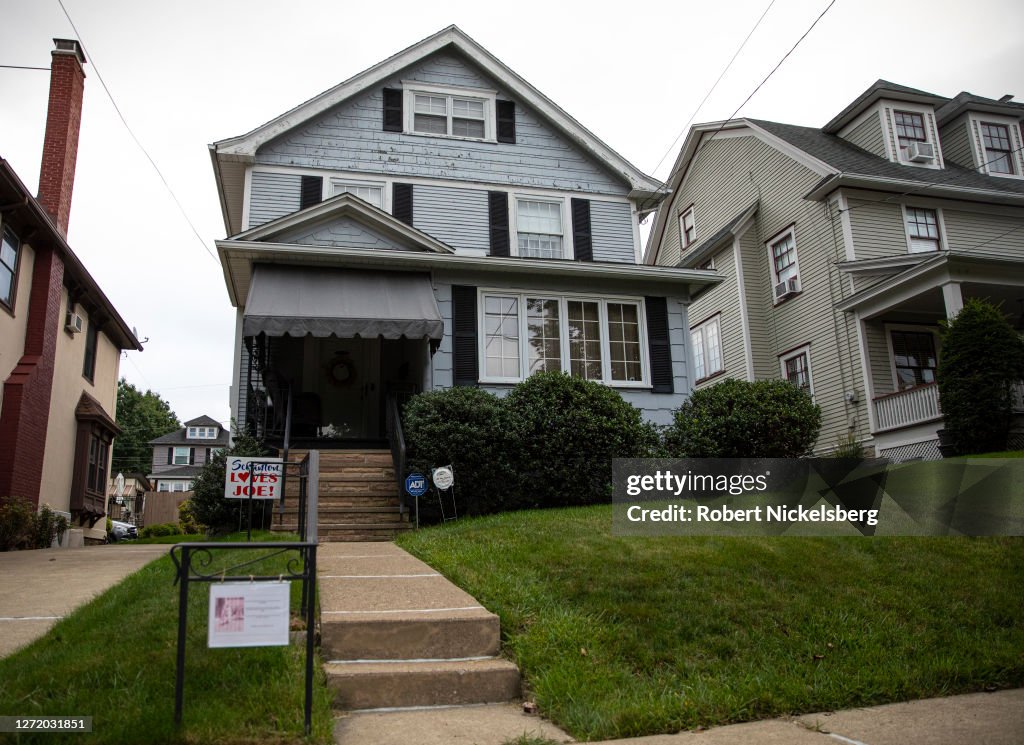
(842, 248)
(179, 456)
(60, 337)
(436, 221)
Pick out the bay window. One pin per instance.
(706, 340)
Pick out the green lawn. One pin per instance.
(620, 637)
(114, 659)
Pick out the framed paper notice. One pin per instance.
(248, 614)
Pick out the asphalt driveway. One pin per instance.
(38, 588)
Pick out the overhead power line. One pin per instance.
(136, 139)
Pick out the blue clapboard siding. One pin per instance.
(273, 195)
(611, 227)
(457, 217)
(342, 232)
(349, 137)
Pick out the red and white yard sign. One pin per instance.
(260, 478)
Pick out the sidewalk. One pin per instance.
(972, 719)
(38, 588)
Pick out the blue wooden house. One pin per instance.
(436, 221)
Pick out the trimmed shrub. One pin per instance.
(739, 419)
(160, 530)
(562, 433)
(208, 505)
(981, 359)
(461, 427)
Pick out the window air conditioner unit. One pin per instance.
(73, 323)
(787, 288)
(921, 152)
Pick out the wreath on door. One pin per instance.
(341, 372)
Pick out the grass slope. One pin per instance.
(620, 637)
(114, 659)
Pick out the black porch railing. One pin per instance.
(396, 440)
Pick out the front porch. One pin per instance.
(898, 326)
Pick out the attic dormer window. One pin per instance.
(909, 128)
(998, 153)
(465, 113)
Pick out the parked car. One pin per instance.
(122, 531)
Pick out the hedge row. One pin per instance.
(550, 442)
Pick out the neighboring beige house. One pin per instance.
(842, 248)
(60, 337)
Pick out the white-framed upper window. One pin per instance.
(782, 260)
(687, 228)
(589, 337)
(466, 113)
(998, 141)
(923, 229)
(706, 340)
(10, 246)
(913, 135)
(795, 367)
(540, 228)
(368, 191)
(202, 433)
(182, 456)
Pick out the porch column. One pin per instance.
(953, 299)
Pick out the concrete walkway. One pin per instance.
(977, 718)
(38, 588)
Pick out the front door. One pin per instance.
(348, 373)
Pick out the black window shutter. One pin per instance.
(506, 121)
(464, 348)
(312, 191)
(206, 458)
(191, 456)
(497, 215)
(582, 244)
(659, 346)
(393, 110)
(170, 456)
(401, 202)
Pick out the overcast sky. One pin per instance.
(191, 72)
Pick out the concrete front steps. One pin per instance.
(396, 634)
(358, 498)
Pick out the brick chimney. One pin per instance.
(63, 119)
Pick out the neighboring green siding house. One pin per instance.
(436, 221)
(842, 248)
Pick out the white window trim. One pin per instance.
(888, 328)
(715, 320)
(683, 245)
(568, 248)
(174, 456)
(974, 122)
(489, 97)
(789, 230)
(336, 181)
(939, 219)
(805, 349)
(563, 320)
(930, 132)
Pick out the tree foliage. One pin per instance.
(739, 419)
(208, 506)
(982, 357)
(142, 417)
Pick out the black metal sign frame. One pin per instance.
(193, 564)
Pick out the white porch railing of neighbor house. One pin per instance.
(905, 408)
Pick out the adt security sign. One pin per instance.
(416, 484)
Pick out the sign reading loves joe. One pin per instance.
(259, 478)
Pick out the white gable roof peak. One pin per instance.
(244, 147)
